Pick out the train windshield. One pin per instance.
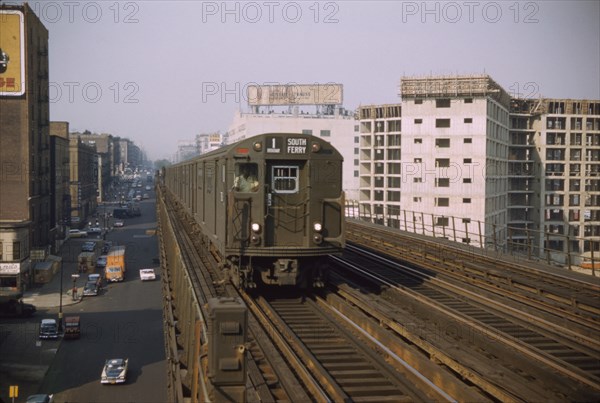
(285, 179)
(246, 177)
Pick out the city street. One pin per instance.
(123, 321)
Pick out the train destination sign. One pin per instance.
(296, 145)
(293, 145)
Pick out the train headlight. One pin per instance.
(255, 227)
(257, 146)
(318, 227)
(255, 239)
(315, 147)
(318, 239)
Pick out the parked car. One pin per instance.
(48, 329)
(76, 233)
(147, 274)
(95, 278)
(101, 262)
(119, 224)
(145, 196)
(115, 371)
(40, 399)
(88, 246)
(90, 289)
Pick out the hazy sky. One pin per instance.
(160, 71)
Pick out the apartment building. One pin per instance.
(459, 155)
(24, 145)
(442, 151)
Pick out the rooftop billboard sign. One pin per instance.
(12, 53)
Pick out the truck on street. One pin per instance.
(115, 264)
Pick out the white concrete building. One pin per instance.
(443, 152)
(339, 128)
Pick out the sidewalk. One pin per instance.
(48, 295)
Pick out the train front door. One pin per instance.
(286, 204)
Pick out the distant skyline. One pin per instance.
(157, 72)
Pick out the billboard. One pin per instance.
(295, 94)
(12, 53)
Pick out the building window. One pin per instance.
(417, 180)
(442, 143)
(468, 120)
(355, 150)
(417, 199)
(418, 121)
(325, 133)
(467, 200)
(466, 220)
(0, 251)
(442, 201)
(442, 162)
(442, 103)
(442, 182)
(418, 141)
(466, 180)
(467, 140)
(356, 140)
(468, 100)
(356, 174)
(307, 131)
(466, 240)
(355, 161)
(418, 160)
(442, 123)
(418, 101)
(467, 161)
(355, 128)
(16, 251)
(441, 221)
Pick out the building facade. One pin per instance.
(458, 158)
(83, 163)
(25, 221)
(60, 205)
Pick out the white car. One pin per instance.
(115, 371)
(147, 274)
(119, 224)
(75, 233)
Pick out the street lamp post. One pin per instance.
(60, 312)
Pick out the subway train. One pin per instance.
(270, 207)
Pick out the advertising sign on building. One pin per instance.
(12, 53)
(295, 94)
(10, 268)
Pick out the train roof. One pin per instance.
(275, 146)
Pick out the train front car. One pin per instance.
(285, 210)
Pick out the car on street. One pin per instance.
(145, 196)
(106, 247)
(90, 289)
(48, 329)
(88, 246)
(101, 262)
(40, 399)
(148, 187)
(119, 223)
(147, 274)
(114, 371)
(95, 278)
(94, 230)
(76, 233)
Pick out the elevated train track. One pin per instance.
(347, 345)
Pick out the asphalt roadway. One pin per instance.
(123, 321)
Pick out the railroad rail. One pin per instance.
(564, 351)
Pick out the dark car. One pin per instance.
(90, 289)
(106, 247)
(48, 329)
(88, 246)
(101, 262)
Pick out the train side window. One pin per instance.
(246, 177)
(285, 179)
